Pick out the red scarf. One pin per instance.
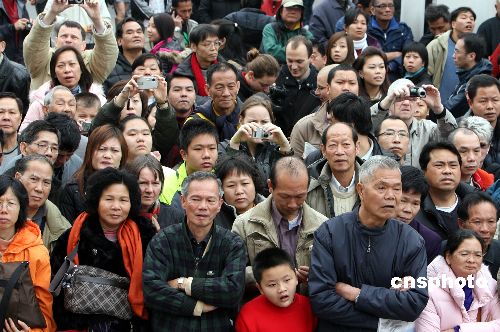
(11, 9)
(198, 75)
(129, 239)
(153, 212)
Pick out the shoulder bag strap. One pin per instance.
(4, 304)
(56, 283)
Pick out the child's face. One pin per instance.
(86, 114)
(278, 285)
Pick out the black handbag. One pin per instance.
(90, 290)
(18, 296)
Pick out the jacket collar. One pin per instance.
(393, 24)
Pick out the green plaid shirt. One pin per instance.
(218, 280)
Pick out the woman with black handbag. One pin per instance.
(21, 241)
(107, 242)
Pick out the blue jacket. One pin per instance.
(367, 258)
(324, 17)
(393, 39)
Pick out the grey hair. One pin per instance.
(50, 95)
(460, 130)
(200, 176)
(373, 164)
(480, 126)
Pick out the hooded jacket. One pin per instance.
(446, 309)
(27, 245)
(457, 102)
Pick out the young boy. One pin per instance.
(278, 308)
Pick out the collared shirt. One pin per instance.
(368, 153)
(341, 189)
(199, 247)
(40, 216)
(287, 230)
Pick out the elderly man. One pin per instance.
(364, 250)
(331, 81)
(35, 172)
(37, 52)
(393, 137)
(334, 192)
(201, 290)
(283, 220)
(398, 102)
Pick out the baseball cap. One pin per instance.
(291, 3)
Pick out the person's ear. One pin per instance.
(184, 202)
(183, 154)
(270, 186)
(250, 75)
(322, 149)
(461, 223)
(207, 89)
(357, 147)
(360, 190)
(22, 148)
(259, 288)
(17, 176)
(447, 258)
(83, 46)
(469, 101)
(45, 109)
(2, 46)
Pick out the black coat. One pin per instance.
(251, 21)
(14, 41)
(210, 10)
(298, 101)
(95, 250)
(15, 78)
(71, 201)
(122, 71)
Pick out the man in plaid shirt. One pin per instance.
(194, 272)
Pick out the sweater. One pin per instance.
(260, 315)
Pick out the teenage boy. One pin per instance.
(278, 308)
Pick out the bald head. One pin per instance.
(289, 167)
(323, 88)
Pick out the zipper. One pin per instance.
(369, 248)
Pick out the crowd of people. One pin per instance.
(250, 166)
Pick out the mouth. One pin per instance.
(141, 147)
(284, 298)
(207, 165)
(389, 207)
(378, 78)
(468, 27)
(447, 180)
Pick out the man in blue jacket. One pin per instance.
(393, 36)
(363, 251)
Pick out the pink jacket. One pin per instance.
(35, 111)
(445, 308)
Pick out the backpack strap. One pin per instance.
(4, 304)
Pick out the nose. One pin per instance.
(38, 187)
(149, 188)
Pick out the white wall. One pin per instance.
(484, 9)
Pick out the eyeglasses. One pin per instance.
(210, 44)
(384, 6)
(393, 133)
(45, 146)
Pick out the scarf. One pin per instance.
(198, 75)
(153, 212)
(360, 45)
(129, 240)
(415, 74)
(157, 47)
(11, 9)
(469, 297)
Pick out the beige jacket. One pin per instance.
(257, 229)
(438, 52)
(308, 129)
(55, 225)
(37, 54)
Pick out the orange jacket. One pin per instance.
(27, 245)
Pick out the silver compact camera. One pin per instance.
(260, 134)
(147, 82)
(418, 92)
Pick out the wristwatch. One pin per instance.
(180, 283)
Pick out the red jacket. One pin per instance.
(270, 7)
(483, 179)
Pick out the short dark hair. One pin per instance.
(12, 95)
(413, 180)
(341, 67)
(418, 48)
(474, 43)
(193, 128)
(87, 99)
(390, 117)
(119, 26)
(141, 60)
(425, 155)
(102, 179)
(220, 67)
(22, 164)
(435, 12)
(131, 117)
(473, 199)
(202, 32)
(455, 13)
(292, 165)
(320, 47)
(456, 239)
(30, 133)
(240, 164)
(351, 15)
(68, 129)
(174, 76)
(71, 24)
(324, 134)
(20, 192)
(480, 81)
(165, 25)
(175, 3)
(352, 109)
(269, 258)
(86, 78)
(296, 41)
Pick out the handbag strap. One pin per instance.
(8, 292)
(56, 283)
(478, 318)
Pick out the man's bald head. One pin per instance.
(322, 87)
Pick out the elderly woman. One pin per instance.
(150, 177)
(20, 240)
(453, 307)
(110, 236)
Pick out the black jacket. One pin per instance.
(71, 201)
(251, 21)
(430, 217)
(169, 216)
(95, 250)
(122, 71)
(245, 91)
(226, 125)
(210, 10)
(492, 258)
(422, 78)
(15, 78)
(299, 100)
(368, 258)
(13, 39)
